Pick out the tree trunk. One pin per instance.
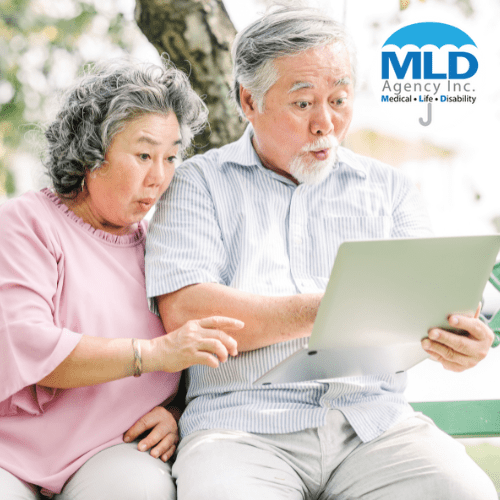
(197, 36)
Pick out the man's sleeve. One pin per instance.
(410, 216)
(184, 244)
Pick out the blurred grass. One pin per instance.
(486, 453)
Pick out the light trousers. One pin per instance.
(120, 472)
(414, 460)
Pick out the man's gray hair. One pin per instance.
(102, 102)
(282, 31)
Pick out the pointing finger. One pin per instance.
(221, 323)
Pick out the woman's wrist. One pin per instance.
(149, 355)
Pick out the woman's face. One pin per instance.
(138, 168)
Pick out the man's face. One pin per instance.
(306, 114)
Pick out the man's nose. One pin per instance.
(322, 120)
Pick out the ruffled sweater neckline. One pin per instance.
(115, 239)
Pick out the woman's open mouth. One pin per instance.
(146, 203)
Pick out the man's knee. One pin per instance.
(470, 483)
(413, 460)
(453, 474)
(228, 465)
(201, 472)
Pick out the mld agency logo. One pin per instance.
(431, 63)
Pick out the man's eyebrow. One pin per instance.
(343, 81)
(300, 85)
(308, 85)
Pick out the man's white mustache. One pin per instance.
(321, 143)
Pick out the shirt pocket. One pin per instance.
(334, 230)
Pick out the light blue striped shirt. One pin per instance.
(227, 219)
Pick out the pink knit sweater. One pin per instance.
(60, 278)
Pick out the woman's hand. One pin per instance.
(162, 439)
(202, 341)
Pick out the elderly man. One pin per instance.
(250, 231)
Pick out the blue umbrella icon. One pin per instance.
(429, 33)
(437, 34)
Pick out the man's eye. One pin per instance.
(340, 101)
(302, 104)
(144, 156)
(171, 159)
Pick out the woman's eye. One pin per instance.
(144, 156)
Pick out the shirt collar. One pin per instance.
(243, 153)
(347, 158)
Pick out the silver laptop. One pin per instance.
(382, 298)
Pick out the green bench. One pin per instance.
(464, 418)
(469, 418)
(473, 419)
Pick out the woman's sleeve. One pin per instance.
(31, 344)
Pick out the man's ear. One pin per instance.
(247, 103)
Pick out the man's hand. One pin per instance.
(460, 352)
(162, 439)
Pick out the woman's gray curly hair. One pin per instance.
(100, 104)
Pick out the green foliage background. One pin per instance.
(43, 45)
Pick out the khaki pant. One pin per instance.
(414, 460)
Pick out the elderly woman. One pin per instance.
(83, 360)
